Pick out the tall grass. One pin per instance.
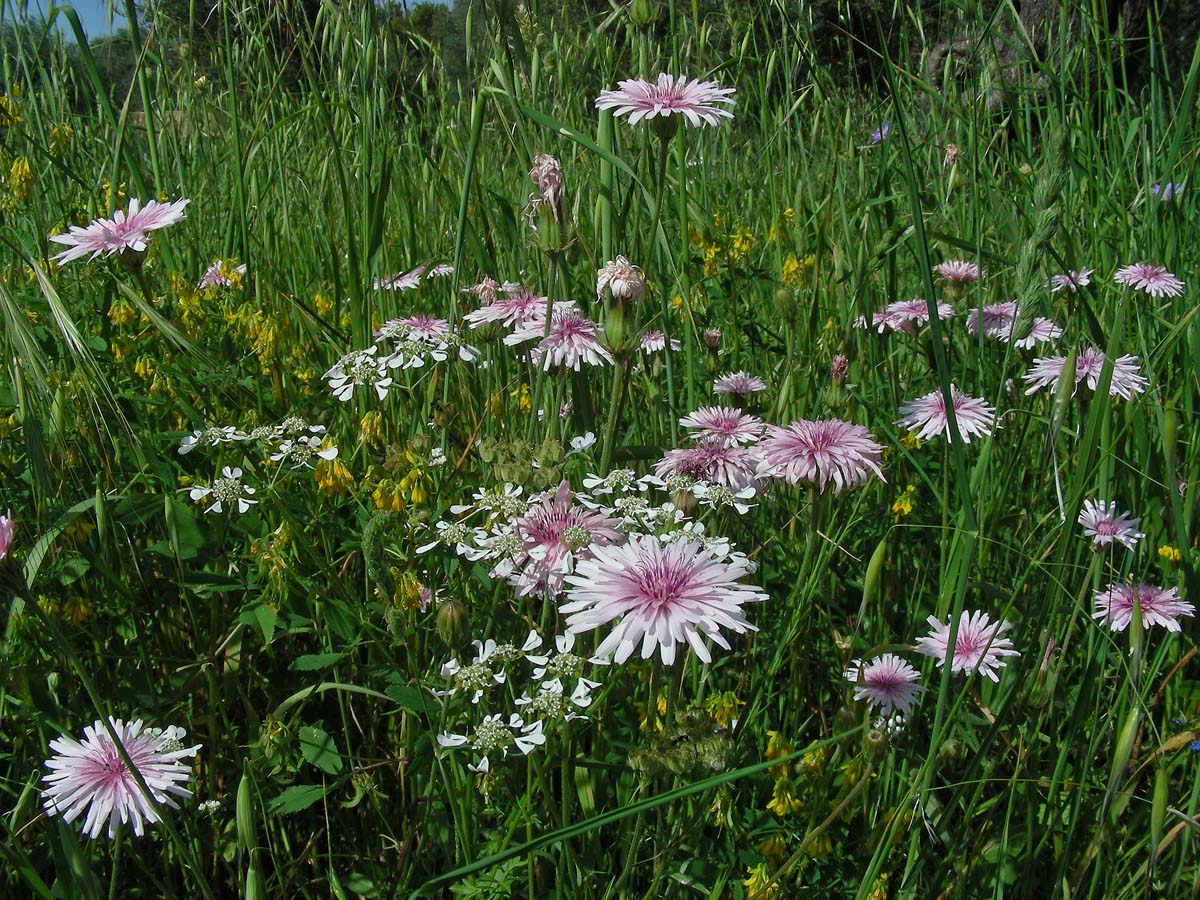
(290, 642)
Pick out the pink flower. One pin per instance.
(977, 646)
(662, 595)
(92, 776)
(669, 95)
(739, 383)
(217, 275)
(1103, 525)
(1126, 380)
(995, 320)
(401, 281)
(555, 533)
(656, 341)
(418, 326)
(734, 467)
(821, 451)
(1159, 606)
(887, 682)
(1153, 280)
(1072, 281)
(958, 270)
(928, 414)
(907, 315)
(125, 231)
(723, 425)
(839, 368)
(572, 340)
(7, 527)
(519, 308)
(547, 175)
(1041, 330)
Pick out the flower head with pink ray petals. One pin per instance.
(739, 383)
(1072, 281)
(1126, 378)
(723, 425)
(555, 533)
(887, 682)
(959, 271)
(571, 340)
(977, 646)
(821, 451)
(125, 231)
(694, 99)
(661, 595)
(1153, 280)
(1104, 525)
(520, 307)
(927, 415)
(737, 468)
(656, 342)
(1159, 606)
(91, 775)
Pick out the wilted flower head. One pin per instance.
(839, 368)
(694, 99)
(977, 646)
(1153, 280)
(1072, 281)
(1103, 524)
(886, 682)
(821, 451)
(1159, 606)
(927, 415)
(124, 232)
(1126, 380)
(662, 595)
(547, 175)
(623, 279)
(92, 776)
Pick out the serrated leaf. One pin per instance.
(311, 662)
(318, 749)
(262, 616)
(408, 697)
(296, 798)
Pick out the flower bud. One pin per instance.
(452, 621)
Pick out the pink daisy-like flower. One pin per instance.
(886, 682)
(821, 451)
(1103, 524)
(125, 231)
(516, 310)
(927, 415)
(907, 315)
(662, 595)
(959, 271)
(739, 383)
(995, 319)
(1072, 281)
(218, 275)
(1126, 380)
(1041, 331)
(441, 270)
(623, 279)
(656, 342)
(420, 326)
(734, 467)
(977, 646)
(1153, 280)
(694, 99)
(92, 776)
(555, 533)
(401, 281)
(1159, 606)
(723, 425)
(572, 340)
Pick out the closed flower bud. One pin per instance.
(452, 621)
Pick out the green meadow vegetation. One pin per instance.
(423, 477)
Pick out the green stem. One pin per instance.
(614, 404)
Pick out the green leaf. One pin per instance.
(311, 662)
(296, 798)
(318, 749)
(262, 616)
(408, 697)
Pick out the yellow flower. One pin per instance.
(370, 428)
(742, 241)
(783, 798)
(20, 179)
(496, 406)
(773, 848)
(796, 270)
(723, 708)
(813, 761)
(758, 883)
(144, 368)
(524, 398)
(112, 198)
(323, 304)
(332, 477)
(778, 747)
(1169, 553)
(879, 888)
(903, 505)
(910, 441)
(10, 110)
(818, 845)
(711, 270)
(789, 214)
(60, 137)
(121, 312)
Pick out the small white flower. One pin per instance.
(581, 443)
(228, 489)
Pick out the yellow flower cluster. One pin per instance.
(903, 505)
(797, 270)
(1170, 554)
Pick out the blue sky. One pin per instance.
(93, 15)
